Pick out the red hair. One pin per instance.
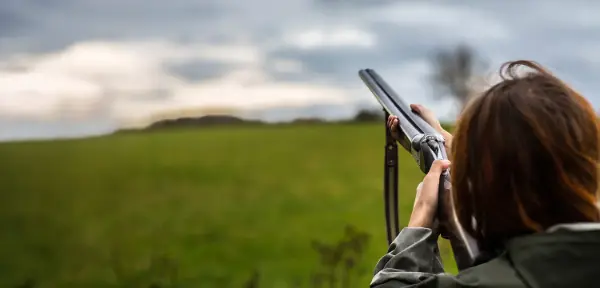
(525, 157)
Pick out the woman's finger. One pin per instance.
(395, 125)
(428, 116)
(436, 169)
(429, 189)
(416, 107)
(391, 120)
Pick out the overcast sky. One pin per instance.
(83, 67)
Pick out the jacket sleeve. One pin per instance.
(412, 260)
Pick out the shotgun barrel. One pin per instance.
(426, 145)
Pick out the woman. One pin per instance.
(525, 177)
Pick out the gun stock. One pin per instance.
(425, 144)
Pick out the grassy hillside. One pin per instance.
(193, 208)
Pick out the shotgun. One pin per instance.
(425, 145)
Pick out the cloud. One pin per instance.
(333, 37)
(80, 77)
(445, 20)
(129, 82)
(119, 62)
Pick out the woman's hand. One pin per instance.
(426, 200)
(429, 117)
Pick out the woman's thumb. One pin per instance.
(416, 108)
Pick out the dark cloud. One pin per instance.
(200, 70)
(396, 45)
(44, 26)
(334, 65)
(12, 20)
(553, 32)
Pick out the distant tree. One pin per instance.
(308, 121)
(369, 115)
(209, 120)
(457, 72)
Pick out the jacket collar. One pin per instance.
(589, 226)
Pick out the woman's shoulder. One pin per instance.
(497, 272)
(563, 257)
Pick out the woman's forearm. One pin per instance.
(411, 258)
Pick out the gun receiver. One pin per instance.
(426, 145)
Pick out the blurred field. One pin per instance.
(192, 208)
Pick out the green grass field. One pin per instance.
(193, 208)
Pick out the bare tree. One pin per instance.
(456, 72)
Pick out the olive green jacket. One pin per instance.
(564, 256)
